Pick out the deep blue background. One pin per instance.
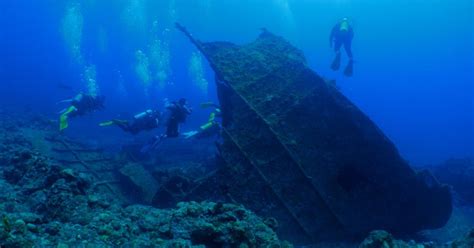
(413, 71)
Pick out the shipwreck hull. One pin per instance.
(296, 149)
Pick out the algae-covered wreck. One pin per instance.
(295, 148)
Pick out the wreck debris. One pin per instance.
(297, 149)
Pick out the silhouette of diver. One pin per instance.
(178, 111)
(144, 121)
(80, 105)
(342, 35)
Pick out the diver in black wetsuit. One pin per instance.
(342, 35)
(145, 121)
(80, 105)
(179, 111)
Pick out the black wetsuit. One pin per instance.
(86, 103)
(342, 37)
(178, 114)
(148, 121)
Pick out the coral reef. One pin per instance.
(383, 239)
(47, 204)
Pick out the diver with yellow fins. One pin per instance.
(342, 35)
(211, 127)
(80, 105)
(144, 121)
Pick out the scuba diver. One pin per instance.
(178, 111)
(211, 127)
(81, 104)
(145, 121)
(342, 34)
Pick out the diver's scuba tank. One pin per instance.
(143, 114)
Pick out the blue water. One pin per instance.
(413, 71)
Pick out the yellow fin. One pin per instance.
(63, 124)
(207, 125)
(112, 122)
(212, 117)
(106, 123)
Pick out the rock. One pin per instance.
(69, 174)
(378, 239)
(95, 201)
(19, 226)
(32, 227)
(53, 228)
(142, 179)
(201, 225)
(62, 245)
(29, 217)
(466, 242)
(383, 239)
(272, 223)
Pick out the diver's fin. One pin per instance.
(190, 134)
(111, 122)
(206, 126)
(63, 123)
(212, 117)
(349, 69)
(106, 123)
(337, 62)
